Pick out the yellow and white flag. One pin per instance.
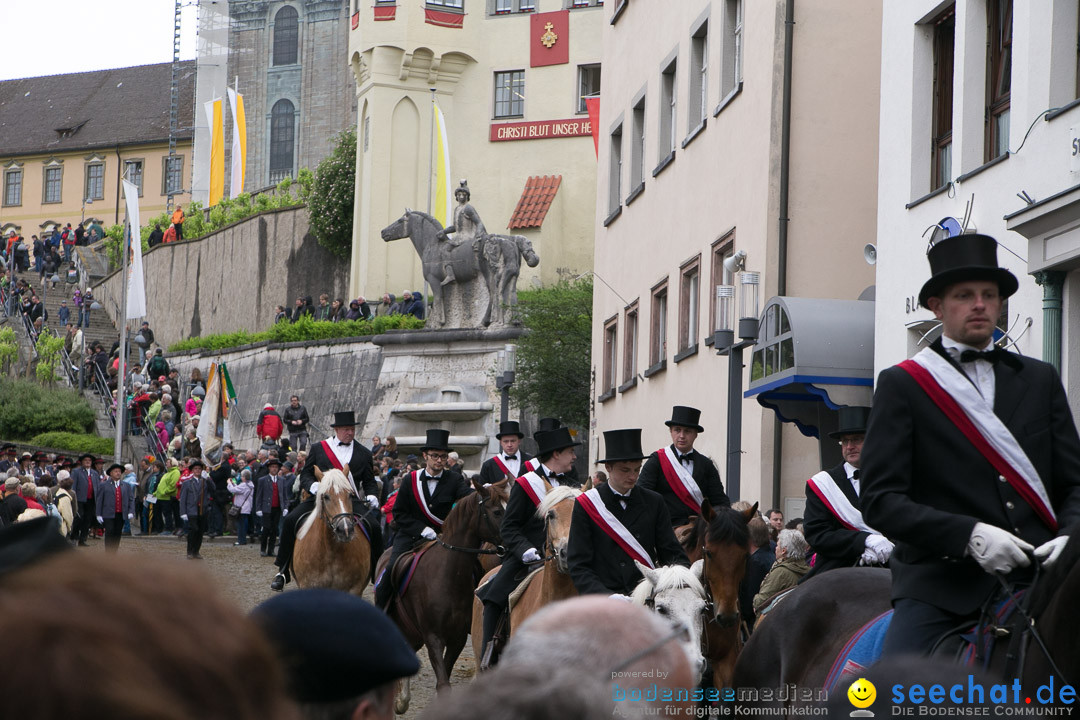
(216, 122)
(444, 193)
(239, 143)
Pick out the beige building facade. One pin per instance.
(695, 165)
(67, 140)
(511, 89)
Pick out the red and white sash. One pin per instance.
(502, 466)
(534, 486)
(336, 462)
(975, 418)
(837, 502)
(418, 493)
(532, 465)
(679, 478)
(593, 504)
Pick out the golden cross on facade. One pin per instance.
(549, 37)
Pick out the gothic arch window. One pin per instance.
(282, 140)
(286, 34)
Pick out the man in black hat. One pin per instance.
(196, 495)
(618, 523)
(341, 656)
(82, 483)
(523, 533)
(832, 520)
(423, 502)
(341, 452)
(114, 501)
(683, 476)
(271, 504)
(511, 461)
(972, 460)
(7, 457)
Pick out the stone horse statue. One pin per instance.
(495, 258)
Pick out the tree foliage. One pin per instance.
(330, 207)
(553, 358)
(28, 409)
(75, 442)
(9, 349)
(49, 349)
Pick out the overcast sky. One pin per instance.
(81, 35)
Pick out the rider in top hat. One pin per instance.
(683, 476)
(423, 502)
(522, 532)
(832, 520)
(543, 425)
(972, 460)
(342, 452)
(511, 461)
(617, 523)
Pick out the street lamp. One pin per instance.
(505, 379)
(725, 344)
(95, 305)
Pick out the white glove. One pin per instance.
(258, 513)
(1050, 551)
(101, 520)
(131, 516)
(997, 550)
(880, 546)
(284, 512)
(428, 534)
(530, 556)
(184, 518)
(373, 501)
(618, 596)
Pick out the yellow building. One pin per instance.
(66, 139)
(511, 78)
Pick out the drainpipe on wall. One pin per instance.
(119, 174)
(782, 235)
(1052, 282)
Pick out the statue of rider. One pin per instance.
(467, 227)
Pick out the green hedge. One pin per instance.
(303, 330)
(75, 443)
(28, 409)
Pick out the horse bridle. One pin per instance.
(485, 516)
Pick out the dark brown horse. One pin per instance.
(435, 609)
(799, 639)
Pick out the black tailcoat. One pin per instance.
(598, 564)
(491, 473)
(836, 546)
(706, 475)
(925, 485)
(360, 465)
(408, 517)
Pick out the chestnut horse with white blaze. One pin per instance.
(332, 550)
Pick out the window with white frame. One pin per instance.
(699, 76)
(95, 181)
(944, 51)
(689, 304)
(13, 181)
(133, 173)
(658, 327)
(452, 4)
(615, 171)
(173, 175)
(630, 344)
(637, 147)
(510, 94)
(668, 102)
(54, 184)
(611, 353)
(998, 76)
(732, 47)
(588, 85)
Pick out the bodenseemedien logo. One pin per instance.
(862, 694)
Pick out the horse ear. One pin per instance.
(407, 211)
(587, 486)
(318, 473)
(707, 512)
(698, 568)
(651, 575)
(751, 513)
(478, 486)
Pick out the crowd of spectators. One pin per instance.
(327, 310)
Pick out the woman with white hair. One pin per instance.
(790, 566)
(65, 501)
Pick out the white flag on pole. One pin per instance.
(136, 297)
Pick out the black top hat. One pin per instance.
(510, 427)
(114, 466)
(546, 425)
(551, 440)
(852, 421)
(962, 258)
(437, 440)
(273, 460)
(196, 463)
(344, 419)
(623, 445)
(684, 416)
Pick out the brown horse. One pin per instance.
(331, 550)
(554, 582)
(434, 611)
(725, 551)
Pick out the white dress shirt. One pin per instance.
(514, 466)
(550, 475)
(981, 372)
(851, 470)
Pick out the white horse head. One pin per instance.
(557, 522)
(676, 593)
(333, 501)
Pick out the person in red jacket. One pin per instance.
(270, 424)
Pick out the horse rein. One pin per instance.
(499, 549)
(1009, 592)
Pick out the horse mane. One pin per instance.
(672, 577)
(554, 497)
(729, 526)
(430, 219)
(1043, 591)
(331, 480)
(461, 514)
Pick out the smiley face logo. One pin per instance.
(862, 693)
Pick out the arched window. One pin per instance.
(286, 30)
(282, 136)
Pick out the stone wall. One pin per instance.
(232, 279)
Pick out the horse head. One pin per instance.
(526, 249)
(556, 514)
(334, 504)
(726, 549)
(677, 594)
(491, 502)
(397, 229)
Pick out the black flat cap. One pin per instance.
(334, 646)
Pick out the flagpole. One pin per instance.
(431, 171)
(122, 369)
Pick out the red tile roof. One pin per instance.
(535, 200)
